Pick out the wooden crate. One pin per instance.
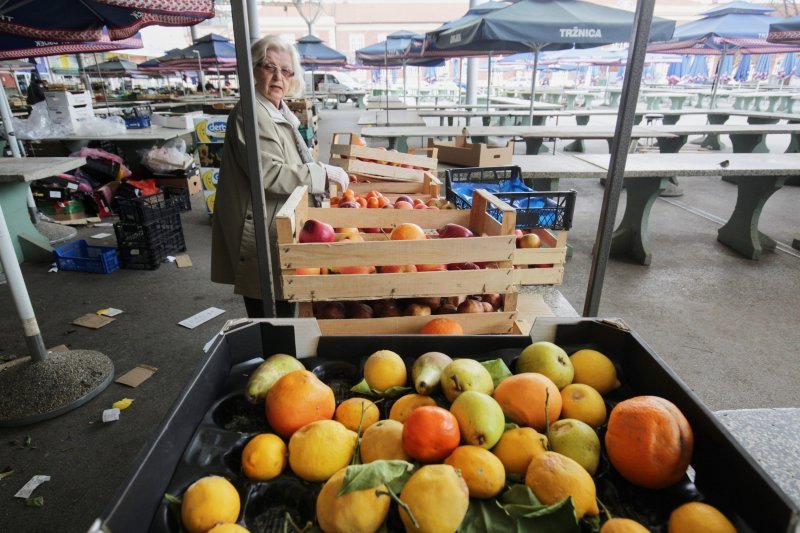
(495, 244)
(498, 323)
(381, 163)
(553, 252)
(429, 187)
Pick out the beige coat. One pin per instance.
(234, 257)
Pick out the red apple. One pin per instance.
(431, 268)
(519, 235)
(395, 269)
(453, 231)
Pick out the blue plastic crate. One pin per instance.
(135, 123)
(82, 257)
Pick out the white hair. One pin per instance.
(258, 51)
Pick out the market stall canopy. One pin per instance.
(86, 19)
(396, 51)
(314, 53)
(16, 47)
(214, 51)
(733, 26)
(785, 31)
(115, 67)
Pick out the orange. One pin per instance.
(408, 231)
(442, 326)
(649, 441)
(697, 516)
(623, 525)
(402, 204)
(297, 399)
(209, 501)
(404, 405)
(357, 140)
(373, 202)
(523, 397)
(264, 457)
(481, 469)
(349, 413)
(430, 434)
(383, 201)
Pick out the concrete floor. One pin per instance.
(726, 325)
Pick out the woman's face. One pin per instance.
(273, 82)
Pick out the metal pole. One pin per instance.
(253, 23)
(200, 74)
(250, 121)
(489, 81)
(13, 144)
(102, 84)
(715, 86)
(386, 72)
(19, 293)
(533, 82)
(619, 153)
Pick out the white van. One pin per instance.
(337, 84)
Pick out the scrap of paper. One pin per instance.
(201, 317)
(100, 235)
(122, 404)
(110, 415)
(27, 489)
(109, 311)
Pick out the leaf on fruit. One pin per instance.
(375, 474)
(362, 388)
(498, 370)
(518, 510)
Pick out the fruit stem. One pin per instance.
(547, 418)
(389, 492)
(604, 509)
(357, 449)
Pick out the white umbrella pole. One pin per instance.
(533, 81)
(386, 73)
(460, 77)
(716, 78)
(489, 81)
(13, 144)
(404, 80)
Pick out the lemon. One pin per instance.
(438, 498)
(319, 449)
(385, 369)
(404, 405)
(264, 457)
(349, 413)
(553, 477)
(354, 512)
(696, 516)
(516, 448)
(209, 501)
(623, 525)
(383, 440)
(594, 369)
(583, 403)
(481, 469)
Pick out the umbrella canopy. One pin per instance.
(396, 51)
(725, 65)
(679, 68)
(314, 53)
(16, 47)
(116, 67)
(761, 71)
(214, 51)
(86, 19)
(733, 26)
(698, 71)
(743, 70)
(785, 31)
(787, 69)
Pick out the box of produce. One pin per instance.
(350, 152)
(393, 252)
(471, 438)
(430, 188)
(479, 314)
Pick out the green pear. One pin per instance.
(578, 441)
(267, 373)
(480, 418)
(465, 374)
(426, 372)
(546, 358)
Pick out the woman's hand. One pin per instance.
(338, 176)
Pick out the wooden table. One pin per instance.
(757, 177)
(15, 177)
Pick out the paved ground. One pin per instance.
(726, 325)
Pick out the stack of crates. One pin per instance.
(149, 229)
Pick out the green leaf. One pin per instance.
(590, 523)
(374, 474)
(38, 501)
(527, 514)
(497, 369)
(519, 494)
(5, 474)
(509, 426)
(173, 500)
(364, 389)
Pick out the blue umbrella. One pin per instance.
(315, 54)
(85, 20)
(725, 66)
(761, 71)
(680, 68)
(699, 68)
(788, 65)
(743, 70)
(213, 50)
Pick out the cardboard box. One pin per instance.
(175, 120)
(209, 178)
(210, 129)
(170, 461)
(66, 99)
(466, 154)
(71, 116)
(192, 183)
(210, 196)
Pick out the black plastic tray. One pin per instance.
(194, 440)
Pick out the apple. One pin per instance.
(347, 231)
(529, 240)
(349, 205)
(404, 198)
(357, 270)
(454, 231)
(432, 268)
(519, 235)
(421, 206)
(371, 230)
(470, 306)
(316, 231)
(463, 266)
(350, 238)
(395, 269)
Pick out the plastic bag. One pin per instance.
(171, 156)
(39, 126)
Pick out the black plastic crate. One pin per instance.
(195, 429)
(132, 235)
(535, 210)
(179, 196)
(151, 255)
(146, 209)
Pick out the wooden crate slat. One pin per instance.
(365, 167)
(431, 251)
(475, 324)
(384, 218)
(539, 276)
(378, 154)
(539, 256)
(372, 286)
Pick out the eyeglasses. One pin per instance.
(274, 69)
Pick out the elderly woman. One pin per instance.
(286, 163)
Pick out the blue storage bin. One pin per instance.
(81, 257)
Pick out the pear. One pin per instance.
(546, 358)
(426, 372)
(578, 441)
(463, 375)
(480, 418)
(267, 373)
